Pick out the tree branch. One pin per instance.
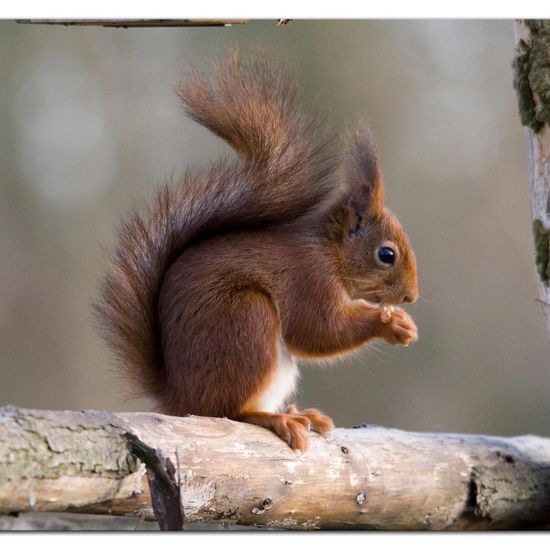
(533, 91)
(135, 23)
(234, 473)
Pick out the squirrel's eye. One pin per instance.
(386, 255)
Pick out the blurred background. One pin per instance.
(90, 125)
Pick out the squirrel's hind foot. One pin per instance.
(292, 426)
(319, 422)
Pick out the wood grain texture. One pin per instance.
(234, 473)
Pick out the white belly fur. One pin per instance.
(282, 384)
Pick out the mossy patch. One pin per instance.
(542, 251)
(532, 75)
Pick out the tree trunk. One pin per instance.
(532, 84)
(234, 473)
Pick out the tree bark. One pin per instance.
(532, 84)
(234, 473)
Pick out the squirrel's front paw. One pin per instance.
(399, 329)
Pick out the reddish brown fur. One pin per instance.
(275, 248)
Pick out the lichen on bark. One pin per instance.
(532, 75)
(542, 250)
(87, 444)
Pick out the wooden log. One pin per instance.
(233, 473)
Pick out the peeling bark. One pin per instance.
(163, 486)
(234, 473)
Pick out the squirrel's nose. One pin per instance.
(411, 297)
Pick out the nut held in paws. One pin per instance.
(386, 313)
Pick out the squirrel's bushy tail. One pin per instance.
(251, 103)
(283, 173)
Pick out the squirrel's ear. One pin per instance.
(362, 178)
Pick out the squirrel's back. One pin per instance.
(283, 172)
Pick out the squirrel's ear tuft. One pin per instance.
(363, 176)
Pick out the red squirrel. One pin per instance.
(243, 268)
